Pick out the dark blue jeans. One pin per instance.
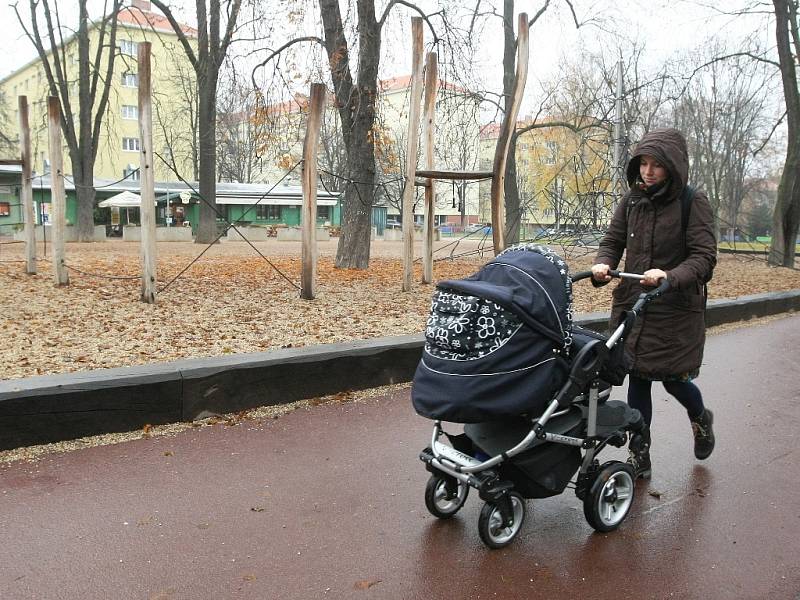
(640, 396)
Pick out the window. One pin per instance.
(129, 47)
(131, 172)
(130, 112)
(130, 144)
(550, 154)
(324, 213)
(5, 209)
(130, 80)
(269, 212)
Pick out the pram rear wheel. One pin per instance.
(494, 532)
(444, 496)
(610, 496)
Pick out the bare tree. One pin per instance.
(356, 102)
(176, 122)
(725, 115)
(81, 125)
(238, 131)
(216, 24)
(786, 220)
(8, 131)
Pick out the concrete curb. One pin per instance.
(52, 408)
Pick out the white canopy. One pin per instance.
(122, 200)
(277, 200)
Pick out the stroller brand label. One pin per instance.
(456, 456)
(563, 439)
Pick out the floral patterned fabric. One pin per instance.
(464, 327)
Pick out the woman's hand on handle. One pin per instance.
(600, 272)
(652, 277)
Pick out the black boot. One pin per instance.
(639, 454)
(703, 434)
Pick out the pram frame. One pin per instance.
(584, 372)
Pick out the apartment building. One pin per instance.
(118, 149)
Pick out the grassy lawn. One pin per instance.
(760, 246)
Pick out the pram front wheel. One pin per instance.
(444, 496)
(610, 496)
(494, 530)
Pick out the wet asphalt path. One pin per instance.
(328, 503)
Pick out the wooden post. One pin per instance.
(504, 140)
(147, 210)
(316, 107)
(26, 190)
(411, 152)
(58, 203)
(431, 83)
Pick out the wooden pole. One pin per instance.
(431, 83)
(504, 140)
(26, 190)
(411, 152)
(147, 210)
(58, 201)
(316, 108)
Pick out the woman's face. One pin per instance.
(651, 171)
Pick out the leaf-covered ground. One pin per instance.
(232, 300)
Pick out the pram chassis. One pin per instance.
(607, 490)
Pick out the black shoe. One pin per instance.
(703, 435)
(639, 455)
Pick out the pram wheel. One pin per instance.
(444, 496)
(491, 527)
(610, 496)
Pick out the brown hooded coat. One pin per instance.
(667, 341)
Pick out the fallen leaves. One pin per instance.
(365, 584)
(231, 301)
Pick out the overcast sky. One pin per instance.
(665, 27)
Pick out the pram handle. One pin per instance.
(611, 272)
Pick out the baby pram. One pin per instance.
(503, 357)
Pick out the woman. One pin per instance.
(666, 344)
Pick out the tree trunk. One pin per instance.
(206, 231)
(85, 194)
(353, 249)
(356, 104)
(786, 219)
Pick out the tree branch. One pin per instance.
(308, 38)
(101, 107)
(413, 7)
(540, 12)
(176, 27)
(769, 137)
(233, 16)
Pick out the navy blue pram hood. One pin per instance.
(496, 341)
(531, 281)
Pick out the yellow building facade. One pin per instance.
(563, 175)
(118, 147)
(456, 141)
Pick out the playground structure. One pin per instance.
(147, 231)
(414, 177)
(430, 174)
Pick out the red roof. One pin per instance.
(151, 20)
(403, 82)
(491, 131)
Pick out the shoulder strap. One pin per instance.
(687, 195)
(686, 208)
